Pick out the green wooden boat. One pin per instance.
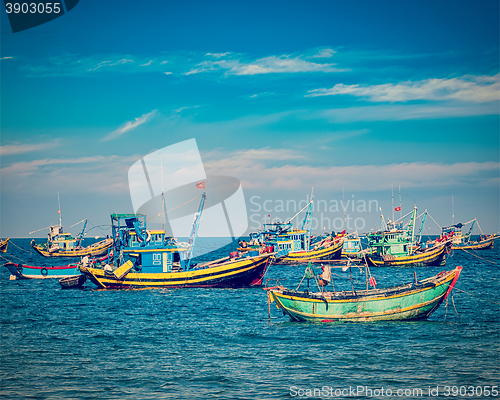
(410, 301)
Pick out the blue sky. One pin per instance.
(348, 97)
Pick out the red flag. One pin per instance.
(372, 281)
(397, 209)
(59, 211)
(200, 185)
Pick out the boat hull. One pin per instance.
(433, 257)
(402, 303)
(234, 273)
(3, 245)
(483, 245)
(20, 271)
(333, 252)
(72, 282)
(95, 250)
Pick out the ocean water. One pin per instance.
(220, 343)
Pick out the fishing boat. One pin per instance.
(463, 241)
(482, 243)
(64, 245)
(396, 246)
(298, 245)
(416, 300)
(151, 259)
(3, 245)
(22, 271)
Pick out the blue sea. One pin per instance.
(220, 343)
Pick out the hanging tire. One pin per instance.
(44, 272)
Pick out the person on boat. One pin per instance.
(326, 276)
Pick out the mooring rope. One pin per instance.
(12, 243)
(470, 294)
(5, 258)
(484, 259)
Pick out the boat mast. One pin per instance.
(411, 226)
(194, 230)
(467, 239)
(59, 210)
(162, 199)
(307, 221)
(422, 227)
(400, 209)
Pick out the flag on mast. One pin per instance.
(397, 209)
(200, 185)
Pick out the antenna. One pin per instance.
(345, 208)
(452, 212)
(59, 210)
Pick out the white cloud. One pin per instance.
(146, 64)
(478, 89)
(17, 148)
(251, 167)
(87, 174)
(129, 125)
(325, 53)
(6, 58)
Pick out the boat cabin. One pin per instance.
(151, 251)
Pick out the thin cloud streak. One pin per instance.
(16, 149)
(477, 89)
(129, 125)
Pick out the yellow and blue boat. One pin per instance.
(152, 259)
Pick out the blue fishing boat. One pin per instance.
(152, 259)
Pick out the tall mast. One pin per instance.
(307, 220)
(400, 209)
(162, 197)
(194, 230)
(392, 190)
(59, 210)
